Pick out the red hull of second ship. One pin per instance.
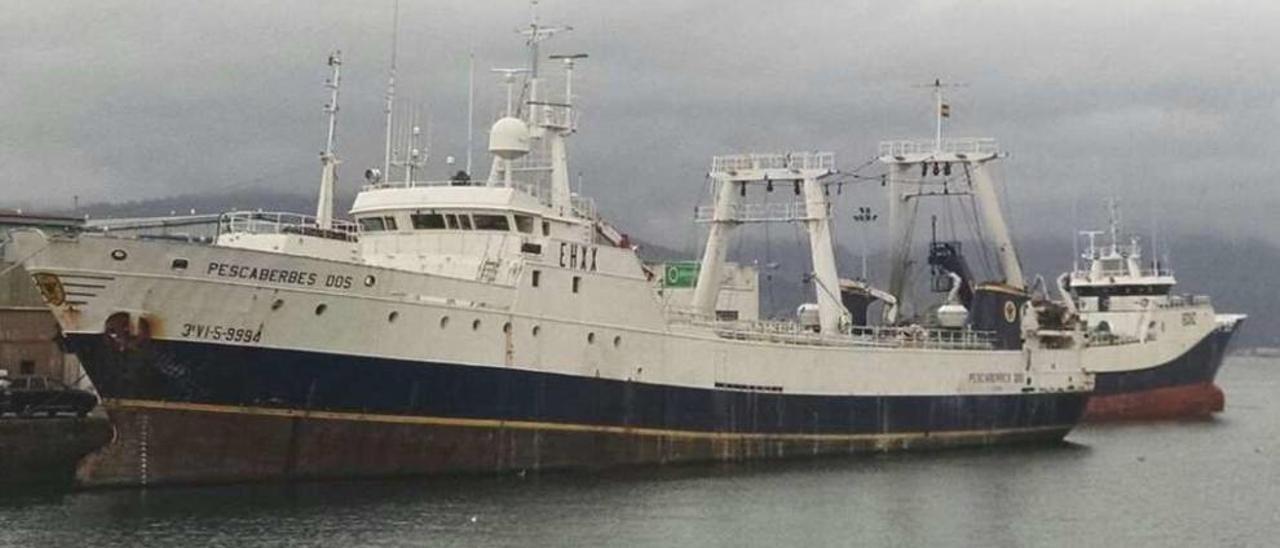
(1175, 402)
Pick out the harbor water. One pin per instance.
(1173, 484)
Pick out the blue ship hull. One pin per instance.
(210, 412)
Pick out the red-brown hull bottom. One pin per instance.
(203, 444)
(1176, 402)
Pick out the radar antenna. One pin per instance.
(568, 61)
(509, 78)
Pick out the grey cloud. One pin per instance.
(1168, 104)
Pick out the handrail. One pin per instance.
(788, 332)
(582, 206)
(280, 222)
(744, 213)
(531, 189)
(960, 145)
(789, 160)
(1090, 275)
(426, 184)
(1185, 301)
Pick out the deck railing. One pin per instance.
(963, 145)
(747, 213)
(527, 187)
(1185, 301)
(582, 206)
(277, 222)
(787, 332)
(790, 160)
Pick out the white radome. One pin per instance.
(509, 138)
(952, 315)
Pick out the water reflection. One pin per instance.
(1116, 485)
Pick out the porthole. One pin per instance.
(617, 341)
(392, 316)
(370, 280)
(119, 254)
(475, 324)
(591, 338)
(444, 322)
(320, 308)
(277, 304)
(536, 330)
(506, 328)
(178, 264)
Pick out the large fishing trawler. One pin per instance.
(1165, 349)
(500, 325)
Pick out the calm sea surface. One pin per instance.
(1185, 484)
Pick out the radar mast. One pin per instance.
(329, 160)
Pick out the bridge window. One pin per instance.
(390, 222)
(427, 221)
(491, 222)
(524, 223)
(1153, 290)
(372, 224)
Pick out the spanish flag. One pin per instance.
(945, 110)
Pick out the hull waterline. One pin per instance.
(207, 413)
(1180, 389)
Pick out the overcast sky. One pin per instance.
(1171, 106)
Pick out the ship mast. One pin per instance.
(910, 163)
(561, 126)
(807, 172)
(941, 109)
(1113, 223)
(536, 122)
(548, 122)
(328, 160)
(471, 106)
(391, 88)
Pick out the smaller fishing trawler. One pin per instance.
(1168, 348)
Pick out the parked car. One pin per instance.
(31, 394)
